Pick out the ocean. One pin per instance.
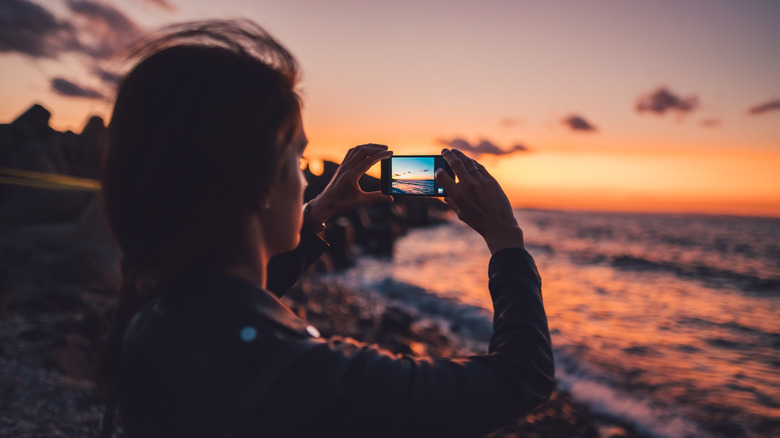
(668, 322)
(412, 186)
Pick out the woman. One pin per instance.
(202, 187)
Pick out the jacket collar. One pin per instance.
(225, 292)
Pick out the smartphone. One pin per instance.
(413, 175)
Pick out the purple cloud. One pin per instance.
(93, 28)
(577, 123)
(106, 30)
(711, 122)
(108, 77)
(765, 107)
(485, 147)
(31, 30)
(662, 100)
(509, 122)
(165, 4)
(65, 87)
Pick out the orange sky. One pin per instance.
(415, 74)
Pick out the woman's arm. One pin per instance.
(480, 202)
(353, 389)
(286, 268)
(343, 193)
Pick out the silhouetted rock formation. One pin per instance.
(29, 144)
(35, 121)
(83, 153)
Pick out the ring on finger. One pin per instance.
(472, 169)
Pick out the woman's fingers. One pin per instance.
(484, 172)
(456, 163)
(479, 201)
(372, 159)
(359, 152)
(360, 158)
(444, 180)
(471, 165)
(343, 192)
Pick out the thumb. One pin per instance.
(445, 180)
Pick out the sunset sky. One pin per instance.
(634, 106)
(413, 168)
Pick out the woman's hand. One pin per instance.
(480, 202)
(343, 192)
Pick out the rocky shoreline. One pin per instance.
(336, 310)
(48, 346)
(58, 278)
(53, 317)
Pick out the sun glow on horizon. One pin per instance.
(684, 181)
(673, 117)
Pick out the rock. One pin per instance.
(28, 144)
(83, 153)
(34, 121)
(396, 322)
(87, 267)
(61, 297)
(615, 432)
(339, 235)
(93, 326)
(72, 360)
(396, 344)
(36, 333)
(5, 291)
(94, 128)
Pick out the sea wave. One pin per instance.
(605, 399)
(412, 187)
(665, 323)
(706, 274)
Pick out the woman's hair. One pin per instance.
(197, 137)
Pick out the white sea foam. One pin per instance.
(474, 328)
(655, 302)
(609, 401)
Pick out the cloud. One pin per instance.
(662, 100)
(65, 87)
(577, 123)
(165, 4)
(711, 123)
(485, 147)
(510, 122)
(765, 107)
(31, 30)
(109, 78)
(104, 30)
(92, 28)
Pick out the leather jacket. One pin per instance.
(216, 356)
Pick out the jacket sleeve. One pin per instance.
(286, 268)
(352, 389)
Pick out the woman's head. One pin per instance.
(200, 136)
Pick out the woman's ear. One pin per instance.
(267, 202)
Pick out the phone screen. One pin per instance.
(413, 175)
